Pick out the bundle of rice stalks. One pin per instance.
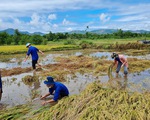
(110, 71)
(97, 103)
(28, 80)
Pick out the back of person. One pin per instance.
(62, 88)
(123, 59)
(34, 52)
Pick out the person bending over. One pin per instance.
(57, 89)
(120, 61)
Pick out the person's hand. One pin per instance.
(44, 103)
(25, 60)
(42, 97)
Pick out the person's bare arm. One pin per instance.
(48, 101)
(124, 61)
(26, 58)
(41, 52)
(43, 97)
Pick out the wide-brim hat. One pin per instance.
(28, 44)
(49, 81)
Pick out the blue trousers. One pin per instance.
(0, 85)
(119, 67)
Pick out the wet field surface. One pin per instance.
(48, 58)
(16, 92)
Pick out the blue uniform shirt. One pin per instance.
(60, 89)
(34, 52)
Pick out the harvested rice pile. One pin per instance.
(97, 103)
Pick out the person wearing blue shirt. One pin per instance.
(34, 53)
(0, 86)
(57, 89)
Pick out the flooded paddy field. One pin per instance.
(93, 66)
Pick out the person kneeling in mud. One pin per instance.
(120, 61)
(0, 86)
(57, 89)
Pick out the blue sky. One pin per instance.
(67, 15)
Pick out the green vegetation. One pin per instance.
(64, 41)
(107, 44)
(21, 39)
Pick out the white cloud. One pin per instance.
(52, 17)
(104, 17)
(133, 18)
(42, 12)
(35, 19)
(55, 26)
(1, 21)
(66, 22)
(69, 29)
(17, 21)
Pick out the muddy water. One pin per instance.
(16, 92)
(107, 55)
(19, 62)
(49, 58)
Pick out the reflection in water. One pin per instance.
(118, 83)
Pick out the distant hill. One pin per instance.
(98, 31)
(11, 31)
(104, 31)
(107, 31)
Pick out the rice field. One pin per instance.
(22, 49)
(97, 101)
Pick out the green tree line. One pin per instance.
(20, 39)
